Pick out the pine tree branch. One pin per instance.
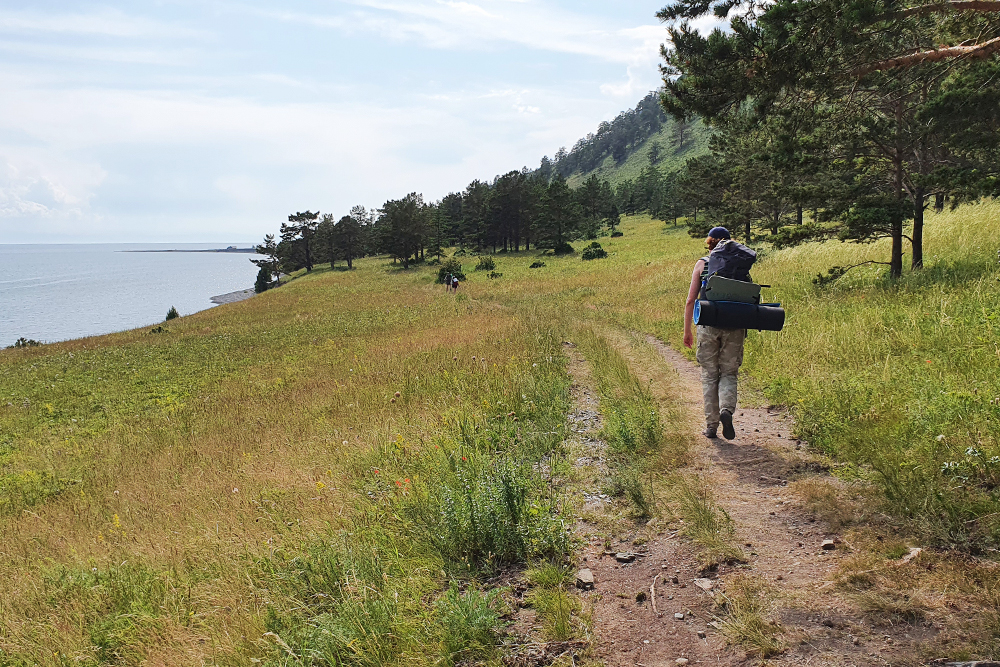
(948, 6)
(983, 50)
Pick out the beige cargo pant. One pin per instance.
(720, 355)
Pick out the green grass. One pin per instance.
(195, 496)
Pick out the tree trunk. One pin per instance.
(798, 214)
(918, 228)
(896, 231)
(746, 230)
(938, 203)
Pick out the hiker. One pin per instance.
(720, 352)
(454, 284)
(447, 283)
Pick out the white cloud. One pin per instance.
(463, 25)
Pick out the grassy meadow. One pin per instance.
(331, 472)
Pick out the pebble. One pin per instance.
(585, 579)
(679, 617)
(681, 661)
(704, 584)
(701, 634)
(828, 545)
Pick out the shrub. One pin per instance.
(536, 265)
(264, 279)
(616, 234)
(486, 263)
(172, 314)
(594, 251)
(24, 342)
(563, 249)
(159, 330)
(493, 275)
(450, 266)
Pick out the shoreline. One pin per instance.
(233, 297)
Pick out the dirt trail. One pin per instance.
(749, 478)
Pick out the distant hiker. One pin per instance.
(447, 283)
(454, 284)
(720, 352)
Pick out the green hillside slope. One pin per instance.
(620, 149)
(671, 158)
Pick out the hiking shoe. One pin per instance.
(711, 433)
(728, 432)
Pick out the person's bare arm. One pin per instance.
(692, 297)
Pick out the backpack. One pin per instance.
(731, 260)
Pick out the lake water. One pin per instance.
(57, 292)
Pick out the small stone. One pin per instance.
(856, 641)
(779, 577)
(622, 557)
(585, 579)
(675, 580)
(828, 545)
(679, 616)
(701, 634)
(681, 661)
(704, 584)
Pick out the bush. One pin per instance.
(486, 263)
(493, 275)
(24, 342)
(172, 314)
(264, 279)
(536, 265)
(450, 266)
(616, 234)
(159, 330)
(563, 249)
(594, 251)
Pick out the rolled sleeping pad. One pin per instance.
(736, 315)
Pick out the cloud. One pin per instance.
(493, 24)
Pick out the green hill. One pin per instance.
(671, 158)
(623, 147)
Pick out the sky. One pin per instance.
(212, 120)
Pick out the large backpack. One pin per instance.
(731, 260)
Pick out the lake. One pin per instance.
(55, 292)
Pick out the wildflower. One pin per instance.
(463, 458)
(320, 485)
(407, 480)
(376, 471)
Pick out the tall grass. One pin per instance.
(632, 426)
(231, 461)
(899, 379)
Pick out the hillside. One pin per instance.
(622, 148)
(361, 469)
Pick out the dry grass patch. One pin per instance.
(745, 605)
(706, 524)
(826, 500)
